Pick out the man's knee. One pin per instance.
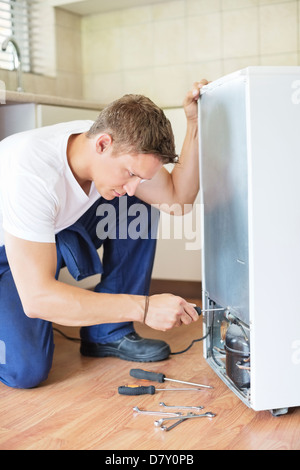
(28, 374)
(24, 380)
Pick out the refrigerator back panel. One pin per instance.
(225, 190)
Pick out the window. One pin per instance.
(15, 21)
(31, 24)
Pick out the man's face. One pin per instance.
(117, 175)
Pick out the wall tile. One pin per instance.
(236, 4)
(280, 59)
(204, 40)
(67, 20)
(200, 7)
(168, 10)
(271, 2)
(170, 85)
(103, 87)
(46, 85)
(278, 28)
(169, 42)
(140, 81)
(97, 22)
(69, 85)
(240, 33)
(238, 63)
(211, 70)
(68, 50)
(137, 46)
(137, 15)
(102, 51)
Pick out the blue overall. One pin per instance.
(26, 345)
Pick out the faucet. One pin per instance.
(17, 59)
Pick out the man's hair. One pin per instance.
(137, 125)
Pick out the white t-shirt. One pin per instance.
(39, 195)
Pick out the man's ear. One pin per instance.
(103, 142)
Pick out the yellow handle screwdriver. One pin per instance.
(159, 377)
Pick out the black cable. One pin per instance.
(172, 353)
(66, 336)
(194, 341)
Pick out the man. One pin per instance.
(50, 183)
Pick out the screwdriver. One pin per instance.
(159, 377)
(149, 390)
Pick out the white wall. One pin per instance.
(179, 256)
(161, 49)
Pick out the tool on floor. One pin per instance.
(159, 413)
(159, 422)
(159, 377)
(169, 428)
(182, 407)
(150, 390)
(184, 418)
(208, 414)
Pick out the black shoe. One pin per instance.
(130, 348)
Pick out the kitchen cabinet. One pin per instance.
(16, 117)
(46, 115)
(19, 117)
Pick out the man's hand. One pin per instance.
(166, 311)
(190, 101)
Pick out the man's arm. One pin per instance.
(33, 267)
(181, 186)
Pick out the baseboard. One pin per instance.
(186, 289)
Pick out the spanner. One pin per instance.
(188, 416)
(165, 428)
(182, 407)
(159, 422)
(160, 413)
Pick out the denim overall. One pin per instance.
(26, 344)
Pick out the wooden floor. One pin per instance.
(79, 408)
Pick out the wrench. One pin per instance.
(165, 428)
(208, 414)
(160, 413)
(159, 422)
(182, 407)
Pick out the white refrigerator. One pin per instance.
(249, 143)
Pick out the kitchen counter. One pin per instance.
(15, 97)
(23, 111)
